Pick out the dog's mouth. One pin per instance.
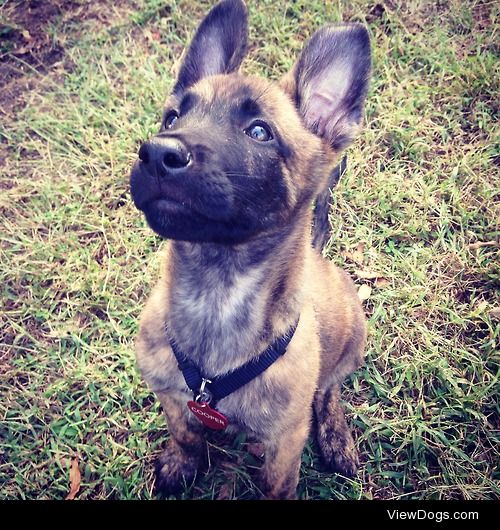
(193, 209)
(165, 206)
(168, 205)
(172, 208)
(150, 194)
(176, 220)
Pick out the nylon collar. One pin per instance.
(218, 387)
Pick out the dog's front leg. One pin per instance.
(177, 465)
(282, 461)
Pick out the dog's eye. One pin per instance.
(170, 119)
(259, 131)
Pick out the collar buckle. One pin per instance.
(204, 395)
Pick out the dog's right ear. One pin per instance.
(219, 45)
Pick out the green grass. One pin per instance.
(77, 260)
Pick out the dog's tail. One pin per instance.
(321, 226)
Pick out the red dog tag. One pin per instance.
(208, 416)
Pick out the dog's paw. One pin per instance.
(345, 462)
(339, 452)
(174, 471)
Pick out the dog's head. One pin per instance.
(237, 156)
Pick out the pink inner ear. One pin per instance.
(213, 61)
(323, 105)
(213, 58)
(320, 109)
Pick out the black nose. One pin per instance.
(167, 155)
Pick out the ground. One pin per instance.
(415, 221)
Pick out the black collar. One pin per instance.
(211, 390)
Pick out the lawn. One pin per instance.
(415, 219)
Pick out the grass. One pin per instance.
(409, 219)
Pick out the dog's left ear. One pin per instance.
(219, 45)
(329, 81)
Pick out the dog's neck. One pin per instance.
(228, 302)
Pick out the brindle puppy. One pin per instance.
(229, 180)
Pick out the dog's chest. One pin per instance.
(215, 320)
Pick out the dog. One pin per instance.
(249, 328)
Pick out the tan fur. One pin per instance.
(291, 282)
(326, 347)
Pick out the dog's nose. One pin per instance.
(167, 155)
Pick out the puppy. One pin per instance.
(249, 328)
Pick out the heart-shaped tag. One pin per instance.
(208, 416)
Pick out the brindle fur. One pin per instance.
(230, 288)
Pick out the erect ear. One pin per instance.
(218, 46)
(329, 81)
